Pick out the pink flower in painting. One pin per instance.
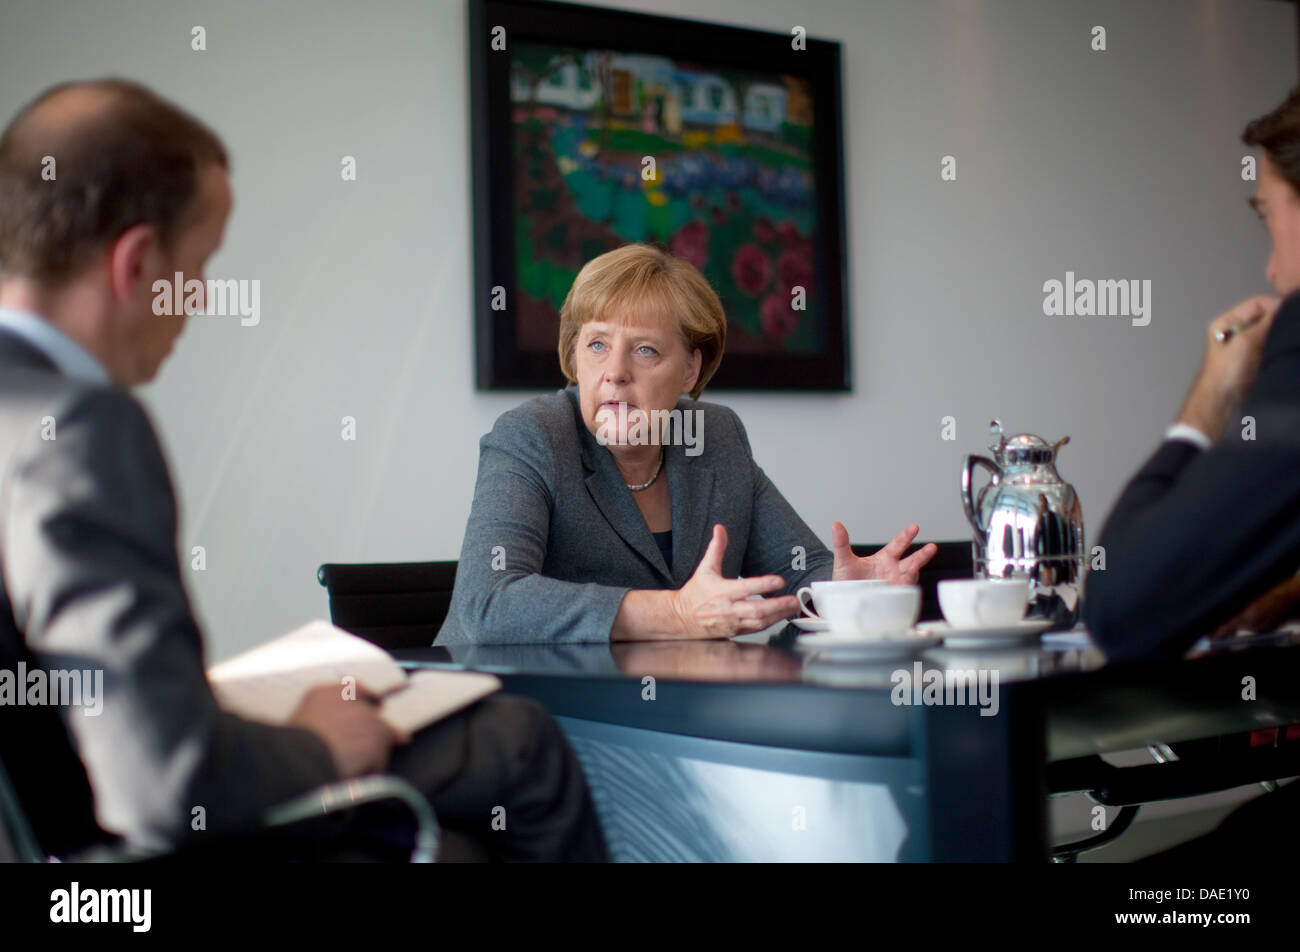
(692, 243)
(751, 269)
(794, 267)
(787, 233)
(778, 317)
(763, 230)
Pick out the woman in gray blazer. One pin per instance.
(623, 508)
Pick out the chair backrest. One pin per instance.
(403, 604)
(393, 604)
(17, 838)
(953, 560)
(46, 802)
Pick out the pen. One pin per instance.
(1226, 335)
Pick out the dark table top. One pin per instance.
(775, 658)
(771, 691)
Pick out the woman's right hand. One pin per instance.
(710, 606)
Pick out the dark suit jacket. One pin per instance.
(90, 579)
(572, 541)
(1199, 534)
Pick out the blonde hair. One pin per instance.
(623, 282)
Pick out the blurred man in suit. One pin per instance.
(104, 190)
(1206, 537)
(1207, 534)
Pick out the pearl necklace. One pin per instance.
(647, 485)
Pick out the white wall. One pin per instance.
(1122, 164)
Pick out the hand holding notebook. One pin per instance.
(267, 683)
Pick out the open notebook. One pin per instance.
(267, 682)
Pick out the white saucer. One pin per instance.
(811, 624)
(1021, 631)
(852, 645)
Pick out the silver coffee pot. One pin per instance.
(1028, 523)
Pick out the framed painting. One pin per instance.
(592, 128)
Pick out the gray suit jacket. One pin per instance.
(555, 539)
(90, 579)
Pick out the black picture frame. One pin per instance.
(500, 363)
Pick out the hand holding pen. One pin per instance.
(1230, 368)
(1244, 315)
(1226, 334)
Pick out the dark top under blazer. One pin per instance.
(90, 579)
(1197, 534)
(555, 538)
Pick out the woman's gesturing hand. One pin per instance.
(886, 563)
(710, 606)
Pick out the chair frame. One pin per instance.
(326, 800)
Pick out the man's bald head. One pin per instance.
(84, 162)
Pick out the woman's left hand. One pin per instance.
(887, 563)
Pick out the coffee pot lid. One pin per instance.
(1027, 448)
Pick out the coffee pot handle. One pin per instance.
(967, 471)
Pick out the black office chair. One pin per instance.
(393, 604)
(47, 807)
(953, 561)
(1187, 769)
(289, 832)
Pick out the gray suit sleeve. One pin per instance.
(89, 538)
(501, 595)
(778, 536)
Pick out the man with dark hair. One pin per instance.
(1207, 534)
(104, 189)
(1211, 523)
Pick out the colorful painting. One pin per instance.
(717, 163)
(714, 165)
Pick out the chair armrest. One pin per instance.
(1131, 786)
(346, 794)
(322, 801)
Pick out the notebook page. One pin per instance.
(267, 682)
(430, 696)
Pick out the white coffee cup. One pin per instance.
(818, 589)
(872, 611)
(983, 603)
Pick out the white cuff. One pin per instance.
(1184, 431)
